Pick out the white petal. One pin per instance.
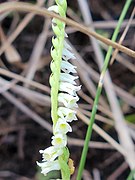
(54, 8)
(59, 140)
(66, 35)
(69, 101)
(69, 88)
(68, 78)
(67, 113)
(62, 127)
(66, 54)
(67, 46)
(49, 166)
(51, 153)
(68, 67)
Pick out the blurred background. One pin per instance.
(25, 122)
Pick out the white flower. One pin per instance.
(67, 113)
(62, 127)
(65, 35)
(67, 67)
(51, 153)
(59, 140)
(63, 81)
(69, 88)
(69, 101)
(68, 78)
(54, 8)
(67, 46)
(49, 166)
(66, 55)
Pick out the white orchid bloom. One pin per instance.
(67, 46)
(49, 166)
(51, 153)
(62, 127)
(67, 113)
(63, 93)
(69, 88)
(54, 8)
(59, 140)
(68, 100)
(68, 67)
(68, 78)
(66, 55)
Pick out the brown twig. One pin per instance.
(26, 7)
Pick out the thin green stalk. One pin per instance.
(99, 90)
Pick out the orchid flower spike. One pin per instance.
(63, 98)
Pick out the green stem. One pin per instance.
(99, 90)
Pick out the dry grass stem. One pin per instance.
(103, 134)
(19, 29)
(123, 36)
(26, 7)
(123, 133)
(27, 111)
(22, 79)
